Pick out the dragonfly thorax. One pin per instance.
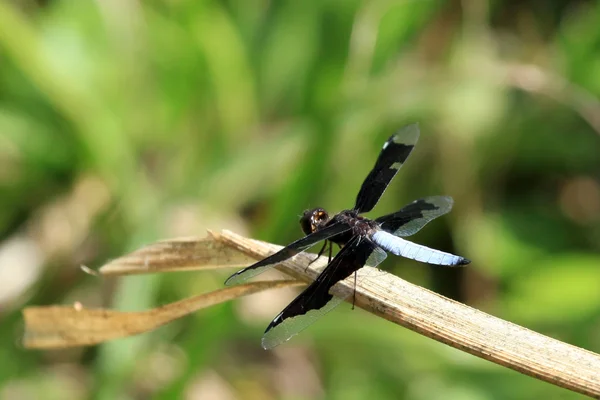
(358, 225)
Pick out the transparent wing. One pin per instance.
(394, 153)
(315, 301)
(289, 251)
(376, 257)
(413, 251)
(414, 216)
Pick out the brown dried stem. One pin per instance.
(458, 325)
(385, 295)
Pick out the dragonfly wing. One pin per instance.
(287, 252)
(414, 216)
(394, 153)
(316, 301)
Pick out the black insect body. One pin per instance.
(363, 241)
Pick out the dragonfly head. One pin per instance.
(313, 220)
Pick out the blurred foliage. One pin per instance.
(124, 122)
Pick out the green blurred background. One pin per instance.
(125, 122)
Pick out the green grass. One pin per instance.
(122, 123)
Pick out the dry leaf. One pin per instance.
(386, 295)
(182, 254)
(63, 326)
(453, 323)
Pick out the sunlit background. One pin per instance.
(123, 122)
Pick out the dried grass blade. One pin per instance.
(453, 323)
(181, 254)
(64, 326)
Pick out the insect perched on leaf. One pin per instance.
(362, 241)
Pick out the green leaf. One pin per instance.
(558, 290)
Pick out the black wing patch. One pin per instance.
(394, 153)
(315, 301)
(414, 216)
(289, 251)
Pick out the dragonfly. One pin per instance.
(362, 241)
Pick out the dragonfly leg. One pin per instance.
(319, 255)
(354, 292)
